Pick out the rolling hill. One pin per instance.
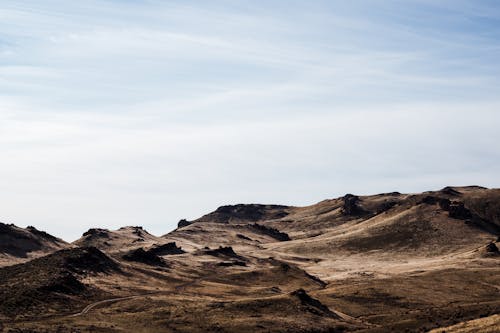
(388, 262)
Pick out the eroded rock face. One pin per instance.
(492, 248)
(444, 204)
(429, 200)
(65, 284)
(272, 232)
(183, 223)
(313, 305)
(448, 190)
(146, 257)
(351, 207)
(226, 251)
(388, 205)
(455, 209)
(88, 260)
(458, 211)
(166, 249)
(96, 233)
(245, 213)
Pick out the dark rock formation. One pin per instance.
(448, 190)
(226, 251)
(138, 231)
(444, 204)
(166, 249)
(272, 232)
(42, 234)
(87, 260)
(429, 200)
(313, 305)
(386, 206)
(145, 257)
(245, 213)
(458, 211)
(67, 283)
(492, 248)
(351, 207)
(183, 223)
(96, 233)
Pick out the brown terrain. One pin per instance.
(383, 263)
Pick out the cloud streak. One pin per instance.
(117, 113)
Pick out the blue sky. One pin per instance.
(118, 113)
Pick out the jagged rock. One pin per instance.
(274, 233)
(226, 251)
(87, 259)
(96, 233)
(457, 210)
(429, 200)
(386, 206)
(351, 207)
(145, 257)
(245, 213)
(166, 249)
(450, 191)
(138, 231)
(42, 234)
(183, 223)
(312, 304)
(66, 284)
(492, 248)
(444, 204)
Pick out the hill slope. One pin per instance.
(19, 245)
(378, 263)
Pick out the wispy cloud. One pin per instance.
(115, 113)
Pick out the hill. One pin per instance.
(377, 263)
(19, 244)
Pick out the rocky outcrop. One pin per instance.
(313, 305)
(183, 223)
(145, 257)
(245, 213)
(224, 251)
(166, 249)
(96, 233)
(492, 248)
(85, 260)
(457, 210)
(272, 232)
(351, 206)
(448, 190)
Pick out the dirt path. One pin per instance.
(111, 300)
(177, 289)
(181, 287)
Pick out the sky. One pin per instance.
(116, 113)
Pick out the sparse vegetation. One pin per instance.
(390, 262)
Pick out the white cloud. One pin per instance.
(114, 114)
